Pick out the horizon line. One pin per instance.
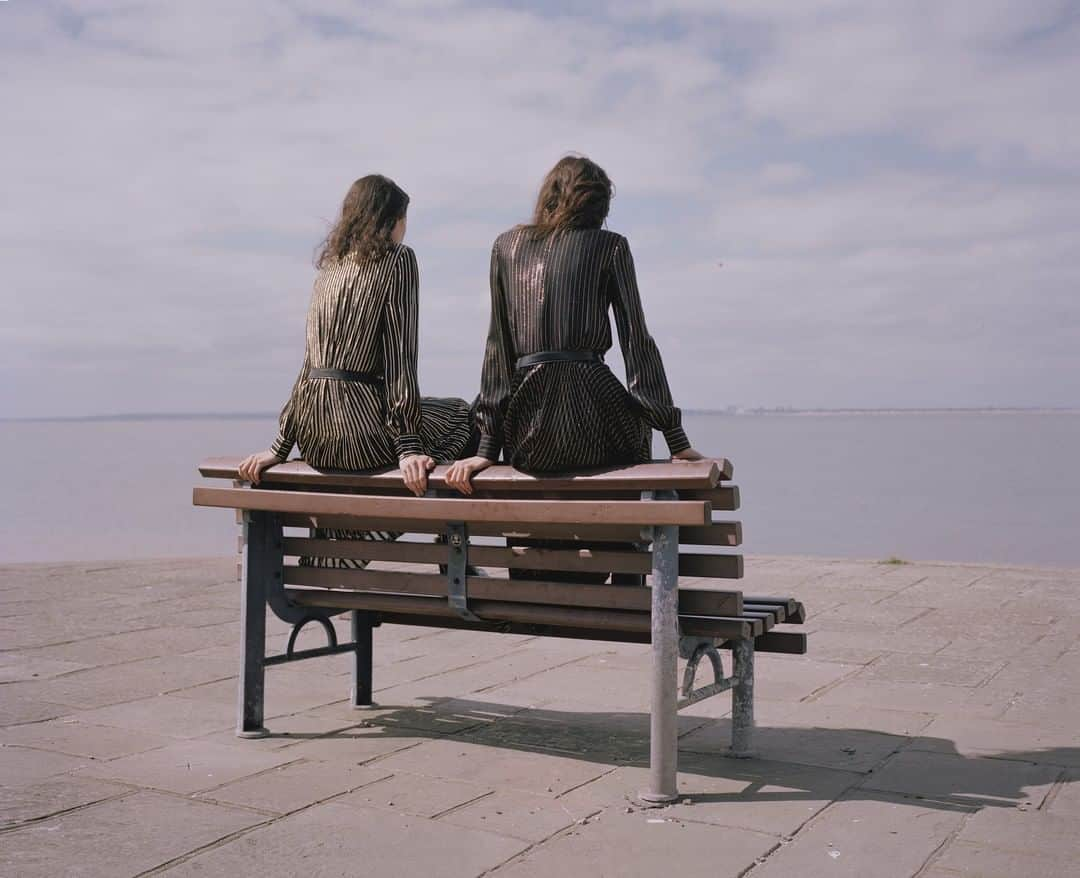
(727, 410)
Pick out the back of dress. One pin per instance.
(356, 404)
(546, 397)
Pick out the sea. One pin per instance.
(998, 487)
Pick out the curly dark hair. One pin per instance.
(575, 194)
(371, 209)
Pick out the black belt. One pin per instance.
(347, 375)
(559, 357)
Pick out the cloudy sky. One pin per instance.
(831, 203)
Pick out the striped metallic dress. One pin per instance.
(363, 321)
(550, 298)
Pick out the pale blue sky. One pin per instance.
(831, 203)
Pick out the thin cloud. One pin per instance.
(833, 203)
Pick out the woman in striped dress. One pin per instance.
(547, 400)
(356, 404)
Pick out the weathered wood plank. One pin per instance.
(389, 509)
(521, 557)
(656, 475)
(495, 612)
(701, 602)
(784, 642)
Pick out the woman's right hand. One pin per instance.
(414, 470)
(251, 467)
(461, 472)
(688, 454)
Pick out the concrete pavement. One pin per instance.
(931, 731)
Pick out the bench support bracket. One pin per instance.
(694, 649)
(457, 588)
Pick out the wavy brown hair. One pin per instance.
(575, 194)
(371, 209)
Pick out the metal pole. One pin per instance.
(261, 547)
(742, 699)
(362, 658)
(663, 734)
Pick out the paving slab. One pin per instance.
(186, 766)
(23, 804)
(17, 667)
(77, 738)
(504, 767)
(296, 785)
(102, 686)
(971, 781)
(21, 765)
(847, 749)
(1065, 800)
(858, 837)
(642, 843)
(333, 840)
(15, 710)
(354, 746)
(525, 816)
(768, 797)
(415, 794)
(164, 715)
(1023, 742)
(118, 838)
(901, 668)
(995, 843)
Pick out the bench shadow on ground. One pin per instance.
(791, 763)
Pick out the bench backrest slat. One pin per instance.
(635, 512)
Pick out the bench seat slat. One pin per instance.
(784, 642)
(722, 498)
(508, 611)
(636, 512)
(778, 611)
(657, 475)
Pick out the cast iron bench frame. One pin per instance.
(655, 503)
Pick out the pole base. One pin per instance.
(260, 732)
(741, 754)
(656, 800)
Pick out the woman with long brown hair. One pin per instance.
(356, 404)
(547, 400)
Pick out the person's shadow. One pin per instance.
(790, 763)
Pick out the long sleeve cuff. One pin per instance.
(282, 447)
(676, 439)
(489, 447)
(408, 443)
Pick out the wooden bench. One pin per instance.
(651, 518)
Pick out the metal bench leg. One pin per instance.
(361, 673)
(742, 699)
(261, 547)
(663, 733)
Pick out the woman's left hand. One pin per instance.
(461, 472)
(415, 469)
(688, 454)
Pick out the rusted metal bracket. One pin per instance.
(694, 649)
(457, 589)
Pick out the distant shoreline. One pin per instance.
(728, 412)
